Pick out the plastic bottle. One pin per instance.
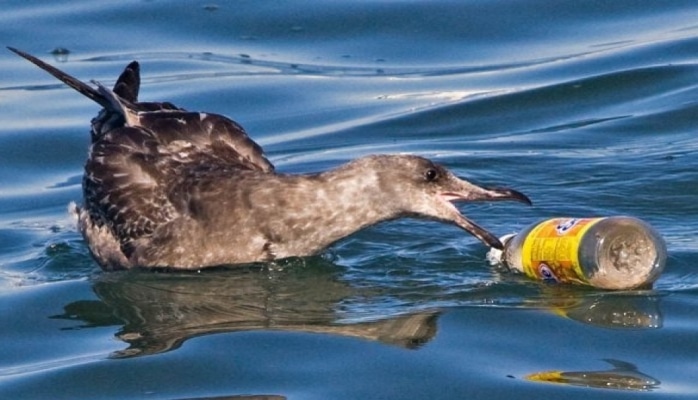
(609, 253)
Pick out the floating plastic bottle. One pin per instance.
(608, 253)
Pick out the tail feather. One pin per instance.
(118, 104)
(126, 86)
(76, 84)
(129, 83)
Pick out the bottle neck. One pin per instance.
(496, 256)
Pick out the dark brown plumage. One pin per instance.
(165, 187)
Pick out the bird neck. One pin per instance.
(321, 209)
(356, 197)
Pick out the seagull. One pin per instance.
(164, 187)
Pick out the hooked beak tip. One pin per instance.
(496, 244)
(509, 194)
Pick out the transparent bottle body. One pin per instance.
(613, 253)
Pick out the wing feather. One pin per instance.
(147, 157)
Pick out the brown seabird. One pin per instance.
(166, 187)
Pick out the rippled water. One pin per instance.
(590, 108)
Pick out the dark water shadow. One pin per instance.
(158, 312)
(242, 397)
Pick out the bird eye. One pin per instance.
(430, 175)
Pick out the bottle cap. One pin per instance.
(494, 256)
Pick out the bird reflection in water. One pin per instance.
(159, 311)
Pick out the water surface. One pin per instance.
(588, 107)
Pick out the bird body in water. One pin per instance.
(166, 187)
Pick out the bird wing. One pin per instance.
(135, 174)
(209, 132)
(133, 169)
(141, 150)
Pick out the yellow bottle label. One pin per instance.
(551, 251)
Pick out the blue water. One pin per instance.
(589, 107)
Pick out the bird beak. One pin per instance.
(464, 191)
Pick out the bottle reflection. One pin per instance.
(621, 310)
(623, 376)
